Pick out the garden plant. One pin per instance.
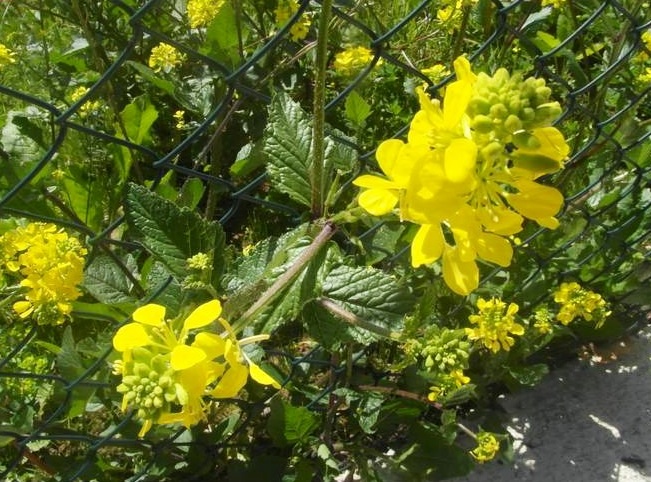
(291, 240)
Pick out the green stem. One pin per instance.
(288, 276)
(318, 127)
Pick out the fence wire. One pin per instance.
(605, 226)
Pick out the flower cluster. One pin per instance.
(49, 264)
(202, 12)
(553, 3)
(87, 107)
(6, 56)
(436, 72)
(451, 12)
(487, 447)
(577, 302)
(166, 372)
(164, 58)
(351, 60)
(495, 322)
(284, 11)
(467, 175)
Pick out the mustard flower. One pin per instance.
(468, 172)
(494, 323)
(351, 60)
(6, 56)
(49, 265)
(577, 302)
(446, 384)
(202, 12)
(87, 107)
(543, 320)
(165, 379)
(284, 11)
(179, 117)
(645, 77)
(436, 72)
(553, 3)
(164, 58)
(487, 447)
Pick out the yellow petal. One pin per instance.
(495, 249)
(184, 356)
(427, 245)
(463, 70)
(457, 97)
(213, 345)
(151, 314)
(131, 336)
(260, 376)
(378, 201)
(232, 382)
(23, 308)
(460, 158)
(535, 201)
(462, 277)
(203, 315)
(500, 221)
(388, 156)
(374, 182)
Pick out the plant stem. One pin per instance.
(318, 126)
(400, 393)
(288, 276)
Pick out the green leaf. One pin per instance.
(529, 376)
(71, 367)
(367, 293)
(431, 457)
(107, 282)
(191, 193)
(287, 145)
(30, 129)
(170, 233)
(150, 76)
(138, 117)
(288, 425)
(357, 109)
(248, 159)
(223, 35)
(84, 195)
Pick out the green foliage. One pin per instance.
(372, 354)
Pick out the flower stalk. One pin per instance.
(318, 127)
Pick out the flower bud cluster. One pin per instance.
(504, 104)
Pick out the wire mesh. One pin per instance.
(605, 227)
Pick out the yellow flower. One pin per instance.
(284, 11)
(161, 372)
(202, 12)
(436, 73)
(179, 117)
(6, 56)
(467, 174)
(49, 264)
(487, 447)
(352, 60)
(495, 322)
(577, 302)
(164, 58)
(645, 77)
(553, 3)
(87, 107)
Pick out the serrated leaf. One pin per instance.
(328, 330)
(357, 109)
(138, 117)
(370, 294)
(71, 367)
(170, 233)
(107, 282)
(287, 145)
(288, 425)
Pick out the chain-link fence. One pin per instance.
(594, 58)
